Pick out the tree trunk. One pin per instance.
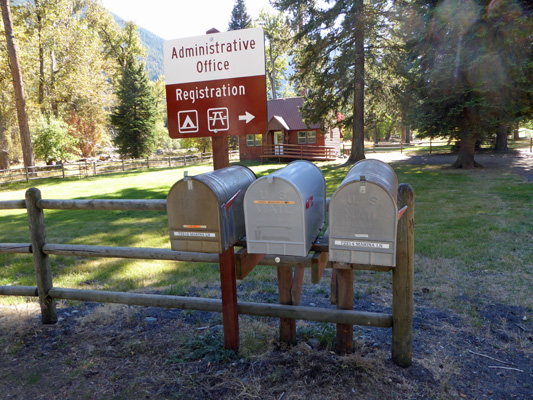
(358, 141)
(41, 56)
(501, 137)
(25, 140)
(375, 130)
(403, 130)
(516, 132)
(273, 75)
(465, 158)
(4, 154)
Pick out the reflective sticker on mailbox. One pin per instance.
(194, 234)
(195, 226)
(272, 202)
(353, 243)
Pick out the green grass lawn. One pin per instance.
(473, 234)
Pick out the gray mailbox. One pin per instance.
(205, 212)
(363, 216)
(285, 211)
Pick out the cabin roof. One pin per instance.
(287, 112)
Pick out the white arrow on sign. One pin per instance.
(247, 117)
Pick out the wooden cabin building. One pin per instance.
(288, 137)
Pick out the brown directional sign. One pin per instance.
(215, 84)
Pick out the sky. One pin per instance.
(175, 19)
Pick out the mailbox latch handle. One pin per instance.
(362, 187)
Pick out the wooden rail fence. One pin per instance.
(289, 285)
(414, 145)
(300, 152)
(87, 168)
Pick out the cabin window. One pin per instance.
(311, 137)
(254, 140)
(249, 140)
(302, 138)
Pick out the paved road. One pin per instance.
(520, 162)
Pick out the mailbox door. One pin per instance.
(274, 218)
(229, 185)
(362, 225)
(194, 217)
(376, 171)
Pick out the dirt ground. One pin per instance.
(100, 351)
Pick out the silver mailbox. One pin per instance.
(363, 216)
(285, 211)
(205, 212)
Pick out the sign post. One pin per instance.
(215, 86)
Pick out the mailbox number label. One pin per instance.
(355, 243)
(194, 234)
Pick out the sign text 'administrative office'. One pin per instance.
(215, 84)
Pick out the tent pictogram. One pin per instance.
(188, 121)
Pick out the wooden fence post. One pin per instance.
(228, 287)
(287, 327)
(63, 169)
(94, 167)
(289, 291)
(403, 281)
(344, 343)
(41, 262)
(147, 162)
(170, 162)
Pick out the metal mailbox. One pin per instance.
(285, 211)
(205, 212)
(363, 216)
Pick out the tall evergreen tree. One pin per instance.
(239, 17)
(136, 114)
(333, 41)
(472, 65)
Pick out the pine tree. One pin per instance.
(334, 43)
(135, 116)
(472, 79)
(239, 17)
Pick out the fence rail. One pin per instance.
(402, 146)
(88, 168)
(416, 145)
(307, 152)
(402, 278)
